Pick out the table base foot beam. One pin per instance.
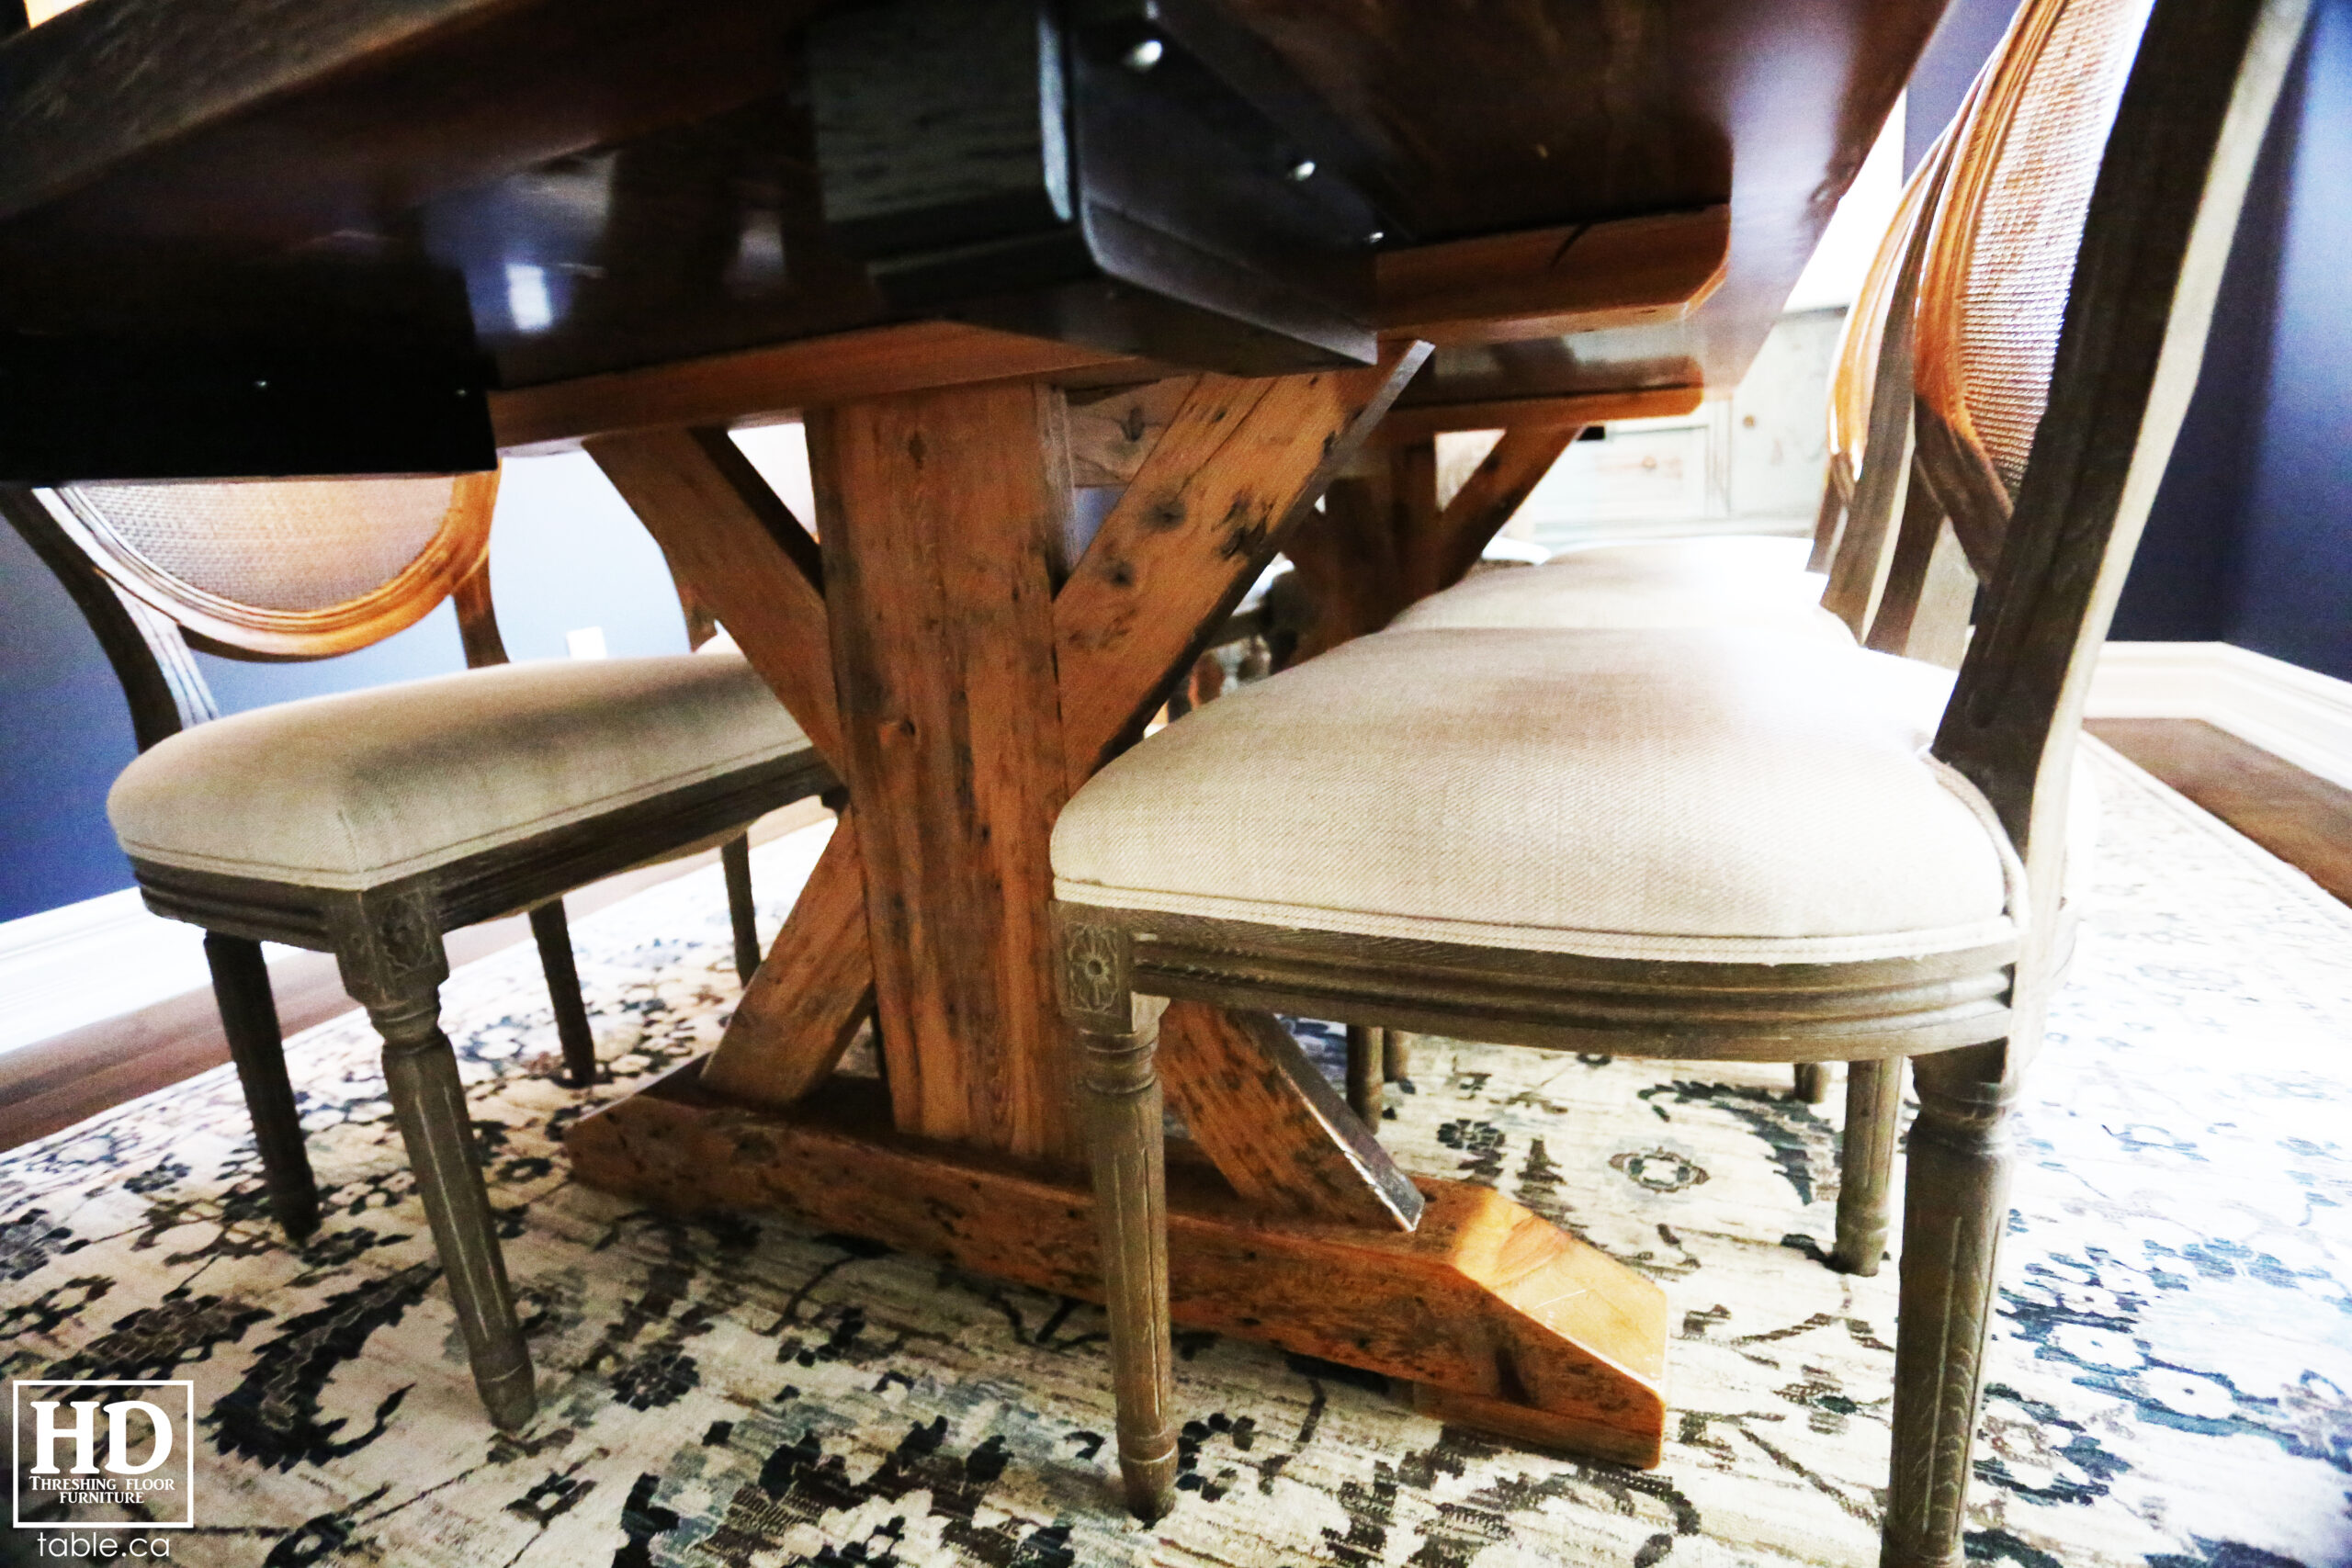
(1509, 1325)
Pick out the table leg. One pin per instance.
(974, 676)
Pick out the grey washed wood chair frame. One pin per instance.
(2160, 222)
(388, 939)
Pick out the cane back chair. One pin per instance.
(1743, 581)
(1575, 905)
(1823, 588)
(370, 823)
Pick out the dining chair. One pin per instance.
(370, 823)
(1724, 843)
(1827, 588)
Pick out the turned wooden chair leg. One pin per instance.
(1397, 1054)
(1367, 1058)
(553, 933)
(1125, 1145)
(1866, 1162)
(1813, 1082)
(249, 1018)
(735, 856)
(392, 964)
(1955, 1207)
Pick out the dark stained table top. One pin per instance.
(592, 185)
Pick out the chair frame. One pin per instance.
(388, 939)
(2180, 152)
(216, 624)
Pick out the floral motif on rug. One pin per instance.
(2168, 1383)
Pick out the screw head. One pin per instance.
(1145, 55)
(1302, 170)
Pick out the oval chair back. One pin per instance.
(2064, 306)
(259, 570)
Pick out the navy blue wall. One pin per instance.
(565, 553)
(2251, 539)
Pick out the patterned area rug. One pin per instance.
(2168, 1382)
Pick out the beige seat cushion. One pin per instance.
(1729, 795)
(1726, 582)
(352, 791)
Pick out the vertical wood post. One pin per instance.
(941, 515)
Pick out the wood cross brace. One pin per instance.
(1239, 464)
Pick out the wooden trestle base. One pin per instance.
(1501, 1321)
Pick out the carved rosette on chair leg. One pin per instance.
(1117, 1032)
(1874, 1114)
(392, 961)
(249, 1018)
(1956, 1204)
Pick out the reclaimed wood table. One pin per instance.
(1003, 259)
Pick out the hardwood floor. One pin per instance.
(2301, 818)
(49, 1085)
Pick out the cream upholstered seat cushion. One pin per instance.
(1726, 582)
(1739, 796)
(355, 790)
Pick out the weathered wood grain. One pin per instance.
(1543, 283)
(942, 513)
(1272, 1124)
(806, 373)
(1111, 432)
(1239, 464)
(1418, 422)
(1484, 1299)
(1495, 491)
(803, 1005)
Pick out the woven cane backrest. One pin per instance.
(2132, 290)
(1993, 296)
(1854, 372)
(286, 567)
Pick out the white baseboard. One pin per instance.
(97, 959)
(2294, 714)
(65, 969)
